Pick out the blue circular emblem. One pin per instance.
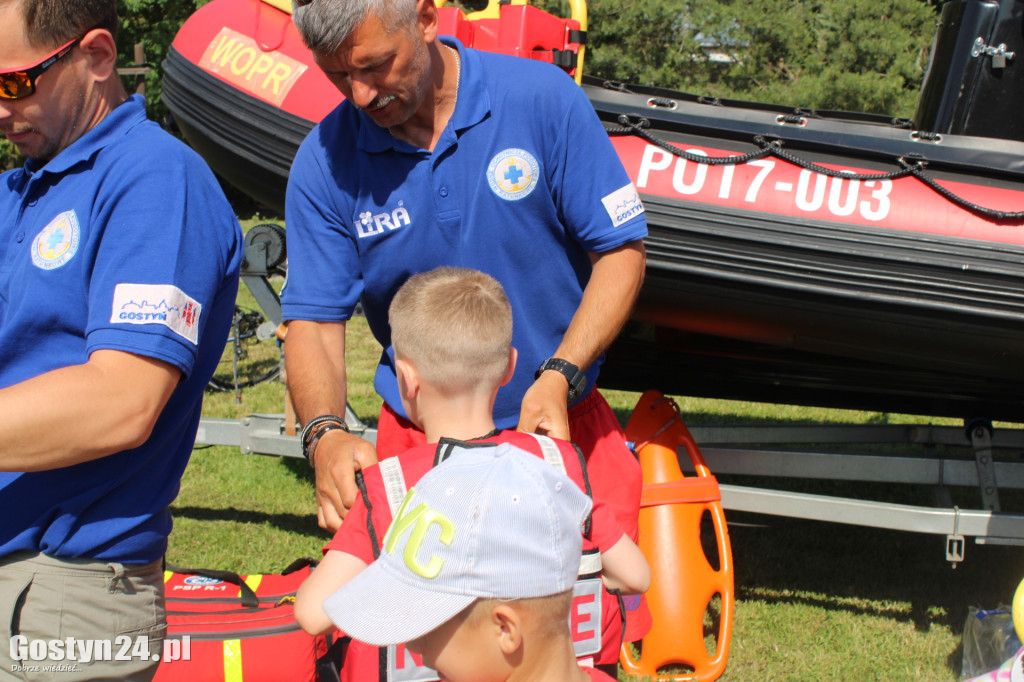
(57, 243)
(201, 580)
(513, 173)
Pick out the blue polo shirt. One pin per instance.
(523, 184)
(122, 241)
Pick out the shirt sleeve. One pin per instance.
(605, 529)
(353, 536)
(324, 273)
(168, 249)
(596, 198)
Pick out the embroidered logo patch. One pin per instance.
(370, 223)
(513, 174)
(57, 243)
(163, 304)
(623, 204)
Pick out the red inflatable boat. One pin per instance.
(819, 258)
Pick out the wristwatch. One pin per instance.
(577, 379)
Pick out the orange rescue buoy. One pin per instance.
(684, 581)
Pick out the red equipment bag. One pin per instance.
(225, 627)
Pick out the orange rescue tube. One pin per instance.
(683, 580)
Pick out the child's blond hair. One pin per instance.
(455, 326)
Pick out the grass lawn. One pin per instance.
(814, 601)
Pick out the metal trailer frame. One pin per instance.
(744, 451)
(740, 450)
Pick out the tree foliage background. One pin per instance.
(856, 55)
(153, 23)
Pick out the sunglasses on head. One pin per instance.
(302, 3)
(19, 83)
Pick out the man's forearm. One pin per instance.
(606, 305)
(83, 412)
(314, 355)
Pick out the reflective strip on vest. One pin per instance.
(585, 618)
(403, 667)
(590, 563)
(551, 453)
(394, 482)
(232, 660)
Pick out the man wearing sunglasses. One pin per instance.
(444, 155)
(119, 259)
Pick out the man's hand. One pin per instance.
(544, 408)
(337, 457)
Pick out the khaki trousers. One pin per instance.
(79, 619)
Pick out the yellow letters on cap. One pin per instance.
(419, 519)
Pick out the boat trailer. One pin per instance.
(743, 451)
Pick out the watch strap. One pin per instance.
(576, 378)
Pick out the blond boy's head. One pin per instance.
(455, 326)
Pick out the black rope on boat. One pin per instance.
(778, 151)
(960, 201)
(639, 126)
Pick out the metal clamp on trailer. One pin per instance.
(976, 456)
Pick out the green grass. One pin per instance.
(814, 601)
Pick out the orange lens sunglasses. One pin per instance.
(19, 83)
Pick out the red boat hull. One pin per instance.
(767, 280)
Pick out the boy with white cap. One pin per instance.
(476, 573)
(451, 333)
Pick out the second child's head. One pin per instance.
(454, 325)
(477, 569)
(486, 640)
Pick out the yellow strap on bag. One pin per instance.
(232, 660)
(253, 581)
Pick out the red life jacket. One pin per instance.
(596, 618)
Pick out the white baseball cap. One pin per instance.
(491, 522)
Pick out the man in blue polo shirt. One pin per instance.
(443, 155)
(119, 258)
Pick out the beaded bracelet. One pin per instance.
(324, 420)
(310, 450)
